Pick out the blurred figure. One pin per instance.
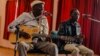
(70, 33)
(37, 19)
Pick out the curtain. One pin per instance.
(64, 7)
(95, 27)
(49, 8)
(23, 5)
(10, 13)
(85, 7)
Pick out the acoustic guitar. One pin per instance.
(30, 31)
(70, 39)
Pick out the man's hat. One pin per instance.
(36, 2)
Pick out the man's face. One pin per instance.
(75, 15)
(38, 9)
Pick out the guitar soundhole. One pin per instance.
(24, 35)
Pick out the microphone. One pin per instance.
(86, 15)
(46, 13)
(91, 17)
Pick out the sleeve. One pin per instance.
(78, 29)
(46, 26)
(13, 24)
(61, 29)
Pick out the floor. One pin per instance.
(48, 55)
(10, 52)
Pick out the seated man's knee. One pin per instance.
(53, 49)
(76, 50)
(54, 46)
(20, 44)
(88, 52)
(71, 48)
(23, 45)
(91, 52)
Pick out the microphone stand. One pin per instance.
(94, 20)
(88, 16)
(17, 37)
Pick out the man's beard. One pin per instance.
(37, 13)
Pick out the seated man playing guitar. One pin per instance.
(37, 21)
(70, 35)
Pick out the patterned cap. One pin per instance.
(36, 2)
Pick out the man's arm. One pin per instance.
(12, 26)
(45, 25)
(61, 30)
(16, 28)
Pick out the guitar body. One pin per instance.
(71, 39)
(27, 29)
